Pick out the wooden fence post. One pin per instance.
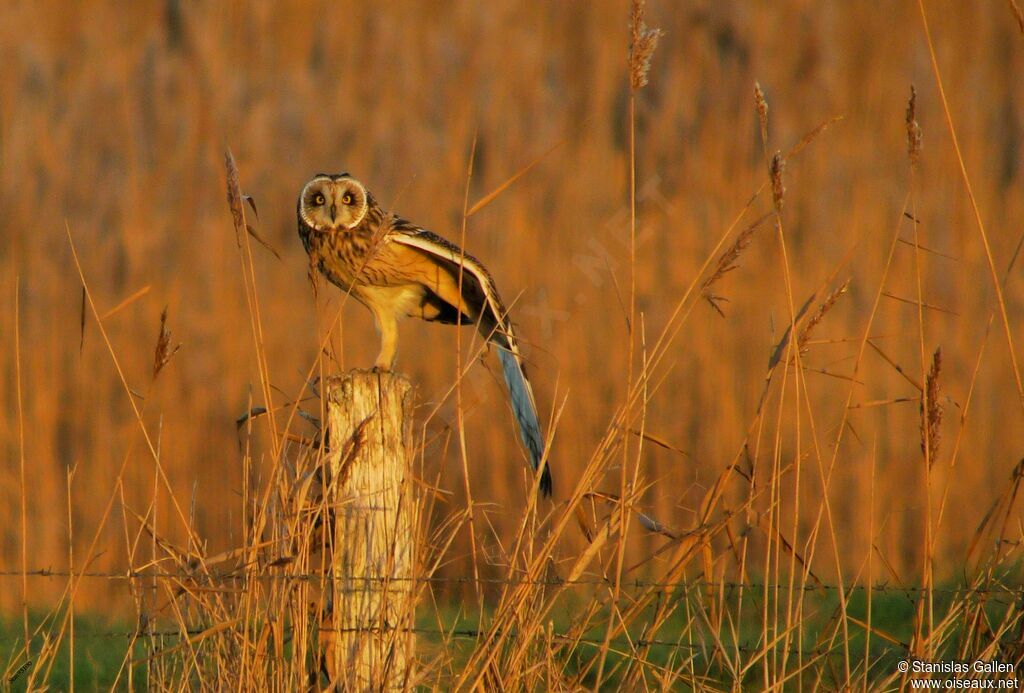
(369, 644)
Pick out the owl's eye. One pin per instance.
(347, 198)
(319, 199)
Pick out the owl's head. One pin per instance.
(331, 202)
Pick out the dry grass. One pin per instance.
(715, 479)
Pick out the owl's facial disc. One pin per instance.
(333, 202)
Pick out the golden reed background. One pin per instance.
(114, 118)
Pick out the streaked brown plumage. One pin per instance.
(397, 269)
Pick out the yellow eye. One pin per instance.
(347, 199)
(319, 199)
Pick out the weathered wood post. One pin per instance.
(370, 643)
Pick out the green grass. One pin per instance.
(98, 654)
(100, 643)
(892, 618)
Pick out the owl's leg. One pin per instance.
(387, 325)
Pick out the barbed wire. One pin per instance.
(474, 633)
(1002, 590)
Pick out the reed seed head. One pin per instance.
(776, 169)
(643, 41)
(913, 129)
(931, 410)
(727, 262)
(164, 351)
(762, 112)
(824, 308)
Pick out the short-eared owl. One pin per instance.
(396, 269)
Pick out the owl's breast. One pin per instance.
(339, 256)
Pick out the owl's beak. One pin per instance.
(334, 212)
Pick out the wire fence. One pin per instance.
(1016, 591)
(147, 633)
(619, 643)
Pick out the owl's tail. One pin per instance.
(525, 411)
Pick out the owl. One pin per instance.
(397, 270)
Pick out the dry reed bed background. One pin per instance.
(113, 127)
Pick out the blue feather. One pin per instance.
(525, 412)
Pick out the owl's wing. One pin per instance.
(436, 266)
(480, 300)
